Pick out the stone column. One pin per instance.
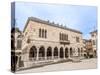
(52, 54)
(45, 54)
(17, 65)
(37, 56)
(64, 53)
(69, 53)
(58, 53)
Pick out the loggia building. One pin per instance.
(46, 41)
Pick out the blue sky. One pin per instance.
(82, 18)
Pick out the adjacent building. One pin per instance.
(94, 42)
(84, 47)
(90, 45)
(44, 41)
(89, 49)
(16, 45)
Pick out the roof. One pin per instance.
(49, 23)
(13, 30)
(95, 31)
(20, 36)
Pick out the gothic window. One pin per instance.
(45, 33)
(63, 36)
(42, 33)
(19, 42)
(93, 42)
(77, 39)
(60, 36)
(39, 32)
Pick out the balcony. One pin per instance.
(17, 50)
(65, 42)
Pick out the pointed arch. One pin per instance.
(41, 52)
(55, 52)
(49, 53)
(33, 53)
(66, 52)
(61, 52)
(71, 52)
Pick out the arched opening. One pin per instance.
(33, 53)
(55, 52)
(14, 61)
(49, 53)
(66, 52)
(45, 33)
(61, 52)
(95, 53)
(41, 53)
(20, 63)
(71, 52)
(42, 33)
(12, 42)
(79, 51)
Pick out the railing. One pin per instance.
(41, 58)
(49, 57)
(64, 42)
(45, 58)
(32, 59)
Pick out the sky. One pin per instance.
(82, 18)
